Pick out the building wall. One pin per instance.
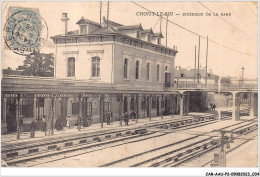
(83, 54)
(146, 56)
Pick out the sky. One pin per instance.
(238, 31)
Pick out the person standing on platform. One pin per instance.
(33, 128)
(68, 121)
(79, 122)
(104, 116)
(44, 124)
(48, 125)
(20, 123)
(58, 124)
(126, 118)
(214, 107)
(108, 116)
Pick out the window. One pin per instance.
(158, 73)
(106, 106)
(149, 38)
(148, 71)
(83, 29)
(162, 104)
(95, 66)
(75, 108)
(182, 75)
(208, 75)
(159, 41)
(138, 34)
(125, 68)
(71, 67)
(137, 67)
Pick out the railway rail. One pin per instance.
(172, 155)
(38, 151)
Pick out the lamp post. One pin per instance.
(242, 73)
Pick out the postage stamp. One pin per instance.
(25, 31)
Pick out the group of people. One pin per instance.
(46, 125)
(126, 117)
(212, 107)
(108, 116)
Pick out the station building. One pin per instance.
(97, 67)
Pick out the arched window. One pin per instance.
(95, 66)
(71, 67)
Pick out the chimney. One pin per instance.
(65, 19)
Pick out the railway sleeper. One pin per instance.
(58, 146)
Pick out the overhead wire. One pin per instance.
(232, 25)
(192, 32)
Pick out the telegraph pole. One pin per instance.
(100, 13)
(166, 30)
(195, 67)
(198, 61)
(160, 24)
(206, 79)
(242, 73)
(221, 157)
(107, 13)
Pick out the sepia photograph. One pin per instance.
(130, 84)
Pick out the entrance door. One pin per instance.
(86, 110)
(63, 111)
(106, 106)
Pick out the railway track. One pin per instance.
(177, 153)
(238, 130)
(31, 152)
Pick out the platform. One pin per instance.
(10, 139)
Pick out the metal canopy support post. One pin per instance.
(137, 108)
(150, 107)
(236, 107)
(53, 99)
(101, 109)
(120, 109)
(188, 100)
(18, 99)
(252, 111)
(181, 104)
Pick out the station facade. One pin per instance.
(97, 68)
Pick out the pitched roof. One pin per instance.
(73, 32)
(150, 31)
(158, 35)
(86, 21)
(131, 27)
(111, 22)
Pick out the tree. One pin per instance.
(38, 64)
